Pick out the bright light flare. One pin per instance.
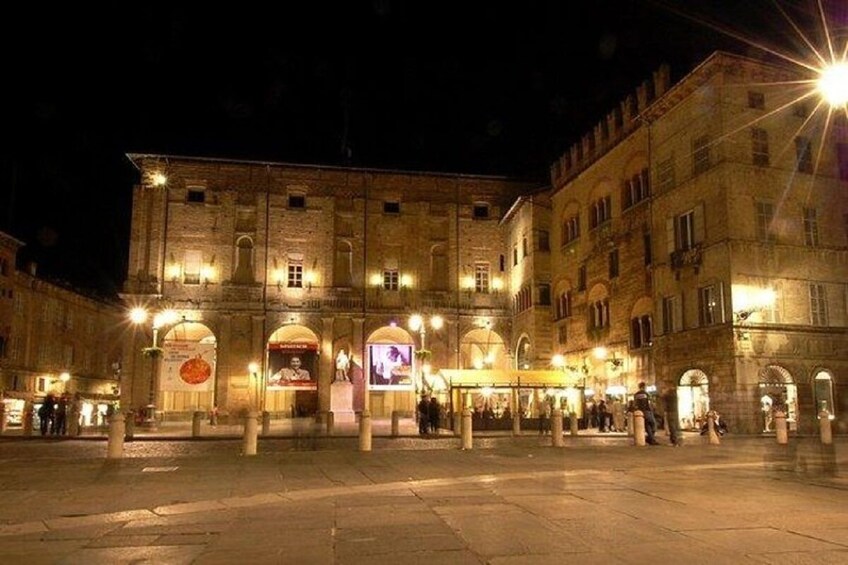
(138, 315)
(833, 84)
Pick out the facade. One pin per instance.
(265, 263)
(54, 341)
(702, 248)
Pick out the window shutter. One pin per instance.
(700, 232)
(669, 234)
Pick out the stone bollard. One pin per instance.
(250, 433)
(2, 417)
(781, 432)
(365, 431)
(27, 418)
(129, 426)
(467, 432)
(631, 423)
(395, 423)
(331, 423)
(638, 428)
(115, 448)
(824, 428)
(516, 424)
(457, 423)
(266, 423)
(711, 429)
(556, 428)
(572, 423)
(196, 418)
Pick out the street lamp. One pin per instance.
(417, 323)
(139, 317)
(253, 369)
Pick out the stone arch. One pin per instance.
(188, 373)
(523, 350)
(777, 387)
(483, 347)
(693, 398)
(391, 357)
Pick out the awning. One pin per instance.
(478, 378)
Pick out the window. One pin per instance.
(671, 308)
(801, 110)
(613, 264)
(391, 207)
(803, 155)
(481, 277)
(502, 261)
(191, 268)
(811, 227)
(641, 332)
(765, 217)
(524, 250)
(818, 305)
(295, 272)
(823, 392)
(562, 334)
(600, 212)
(244, 261)
(684, 231)
(646, 244)
(700, 154)
(570, 229)
(581, 278)
(391, 279)
(480, 211)
(599, 314)
(514, 255)
(756, 100)
(759, 147)
(564, 305)
(4, 267)
(665, 174)
(196, 195)
(710, 305)
(636, 189)
(543, 240)
(297, 201)
(544, 291)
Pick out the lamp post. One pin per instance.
(139, 316)
(418, 323)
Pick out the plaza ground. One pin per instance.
(314, 499)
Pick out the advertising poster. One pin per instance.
(292, 365)
(188, 366)
(391, 365)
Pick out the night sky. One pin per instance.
(472, 87)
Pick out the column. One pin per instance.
(326, 364)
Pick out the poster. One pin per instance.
(391, 365)
(187, 366)
(292, 365)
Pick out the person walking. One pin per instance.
(672, 416)
(642, 402)
(433, 415)
(45, 414)
(61, 417)
(423, 415)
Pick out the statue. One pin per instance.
(342, 367)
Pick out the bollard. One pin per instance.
(711, 430)
(250, 435)
(572, 422)
(556, 428)
(2, 417)
(638, 428)
(365, 431)
(467, 432)
(395, 423)
(195, 422)
(457, 423)
(824, 427)
(631, 423)
(781, 432)
(516, 424)
(331, 422)
(266, 423)
(115, 449)
(27, 418)
(129, 426)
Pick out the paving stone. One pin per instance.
(123, 541)
(761, 540)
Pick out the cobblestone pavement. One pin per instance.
(510, 500)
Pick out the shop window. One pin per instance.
(759, 147)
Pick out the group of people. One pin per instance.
(429, 411)
(53, 416)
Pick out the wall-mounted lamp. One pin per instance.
(497, 284)
(310, 278)
(158, 179)
(279, 277)
(65, 377)
(376, 280)
(174, 271)
(405, 281)
(207, 273)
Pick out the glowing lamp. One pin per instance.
(833, 84)
(138, 315)
(65, 377)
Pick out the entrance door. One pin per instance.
(693, 399)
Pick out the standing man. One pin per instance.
(672, 417)
(643, 403)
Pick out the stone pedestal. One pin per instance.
(341, 402)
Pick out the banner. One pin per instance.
(391, 366)
(187, 366)
(292, 365)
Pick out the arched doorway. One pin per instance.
(187, 374)
(393, 372)
(823, 393)
(693, 399)
(483, 348)
(777, 389)
(292, 372)
(522, 353)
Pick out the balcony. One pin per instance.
(686, 257)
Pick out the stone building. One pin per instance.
(702, 247)
(54, 341)
(262, 263)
